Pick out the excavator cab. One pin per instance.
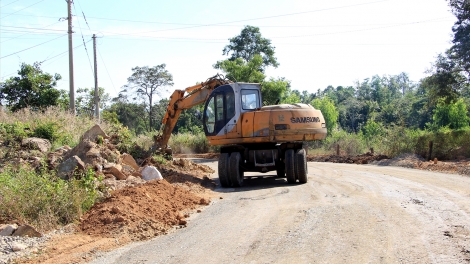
(225, 105)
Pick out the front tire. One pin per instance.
(236, 173)
(290, 168)
(224, 162)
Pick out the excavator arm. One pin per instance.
(181, 100)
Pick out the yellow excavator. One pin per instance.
(253, 138)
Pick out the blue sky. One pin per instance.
(318, 43)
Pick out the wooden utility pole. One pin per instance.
(97, 96)
(72, 90)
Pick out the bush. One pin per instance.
(44, 200)
(191, 143)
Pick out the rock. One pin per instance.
(117, 173)
(129, 160)
(116, 210)
(40, 144)
(204, 201)
(119, 219)
(93, 153)
(127, 169)
(182, 222)
(7, 230)
(151, 173)
(26, 230)
(81, 150)
(66, 168)
(137, 174)
(15, 246)
(93, 133)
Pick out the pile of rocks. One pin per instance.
(118, 170)
(18, 241)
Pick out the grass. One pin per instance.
(44, 200)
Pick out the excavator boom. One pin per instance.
(181, 100)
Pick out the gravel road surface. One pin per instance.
(346, 213)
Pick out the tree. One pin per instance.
(85, 100)
(274, 90)
(248, 44)
(149, 82)
(453, 115)
(239, 70)
(328, 109)
(446, 80)
(32, 88)
(461, 29)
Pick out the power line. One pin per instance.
(9, 3)
(106, 68)
(36, 29)
(22, 9)
(31, 47)
(83, 39)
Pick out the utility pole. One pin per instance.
(72, 90)
(97, 98)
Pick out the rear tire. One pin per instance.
(224, 162)
(290, 168)
(301, 166)
(236, 173)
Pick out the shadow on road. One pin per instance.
(259, 182)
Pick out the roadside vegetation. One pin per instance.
(390, 114)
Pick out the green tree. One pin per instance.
(248, 44)
(453, 115)
(85, 100)
(274, 90)
(461, 29)
(32, 88)
(328, 109)
(239, 70)
(149, 82)
(446, 80)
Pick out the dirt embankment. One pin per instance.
(135, 213)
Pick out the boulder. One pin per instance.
(16, 246)
(66, 168)
(26, 230)
(117, 173)
(151, 173)
(129, 160)
(7, 230)
(93, 133)
(40, 144)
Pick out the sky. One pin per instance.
(317, 43)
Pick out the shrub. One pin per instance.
(42, 199)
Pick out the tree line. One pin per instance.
(369, 106)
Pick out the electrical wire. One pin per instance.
(106, 68)
(21, 9)
(83, 39)
(35, 29)
(9, 3)
(32, 47)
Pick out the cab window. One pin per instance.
(210, 116)
(250, 99)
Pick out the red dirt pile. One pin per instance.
(141, 212)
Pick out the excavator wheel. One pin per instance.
(301, 166)
(235, 172)
(224, 178)
(290, 166)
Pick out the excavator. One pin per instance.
(253, 137)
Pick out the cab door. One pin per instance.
(219, 112)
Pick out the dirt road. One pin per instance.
(346, 213)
